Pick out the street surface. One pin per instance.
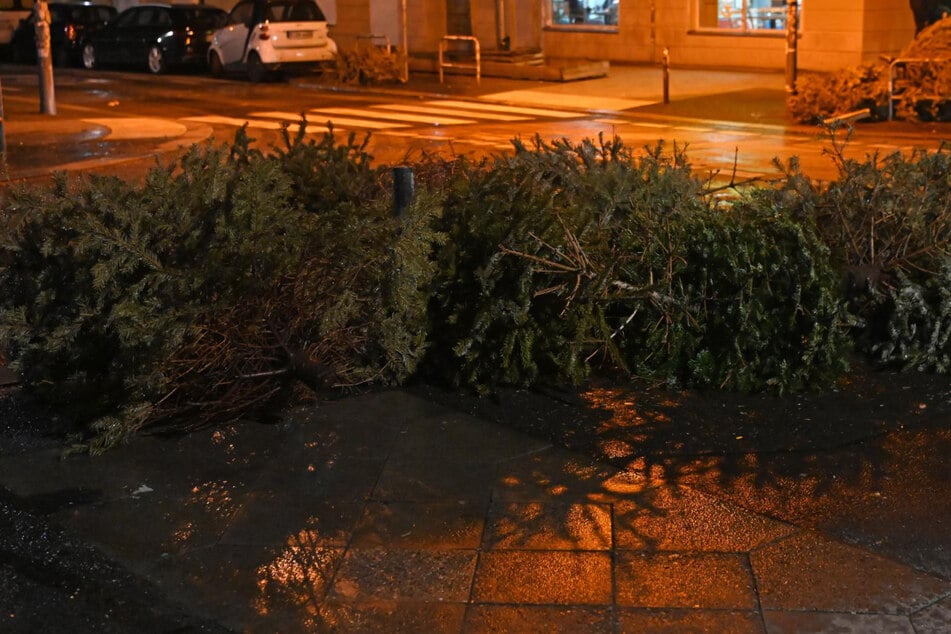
(129, 109)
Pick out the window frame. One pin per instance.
(746, 22)
(555, 10)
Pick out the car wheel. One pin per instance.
(256, 69)
(156, 61)
(215, 65)
(89, 57)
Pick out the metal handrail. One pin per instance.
(891, 76)
(444, 44)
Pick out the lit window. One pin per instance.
(743, 15)
(584, 12)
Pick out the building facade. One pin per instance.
(710, 33)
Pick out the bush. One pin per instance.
(365, 65)
(744, 298)
(563, 256)
(215, 286)
(922, 90)
(917, 324)
(819, 96)
(233, 278)
(887, 223)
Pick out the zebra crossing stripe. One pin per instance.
(567, 100)
(472, 110)
(236, 122)
(267, 123)
(346, 122)
(396, 116)
(491, 107)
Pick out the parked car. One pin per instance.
(70, 23)
(269, 35)
(156, 36)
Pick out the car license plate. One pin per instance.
(299, 35)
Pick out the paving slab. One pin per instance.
(808, 571)
(689, 621)
(548, 526)
(538, 618)
(677, 518)
(685, 580)
(543, 577)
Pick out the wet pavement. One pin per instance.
(388, 512)
(392, 512)
(732, 123)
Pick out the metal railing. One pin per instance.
(476, 64)
(904, 62)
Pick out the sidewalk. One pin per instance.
(387, 512)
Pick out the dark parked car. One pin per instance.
(155, 36)
(69, 25)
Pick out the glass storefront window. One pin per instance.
(584, 12)
(743, 15)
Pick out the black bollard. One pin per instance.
(403, 189)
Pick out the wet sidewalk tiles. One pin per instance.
(386, 512)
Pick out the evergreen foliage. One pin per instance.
(233, 278)
(921, 87)
(819, 96)
(561, 256)
(214, 286)
(917, 333)
(887, 222)
(368, 65)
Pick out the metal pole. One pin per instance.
(792, 44)
(666, 66)
(45, 60)
(405, 77)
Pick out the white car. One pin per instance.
(268, 35)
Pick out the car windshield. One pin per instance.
(294, 12)
(205, 18)
(80, 14)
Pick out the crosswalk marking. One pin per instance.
(389, 116)
(346, 122)
(471, 111)
(491, 107)
(238, 122)
(319, 124)
(569, 100)
(291, 117)
(397, 116)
